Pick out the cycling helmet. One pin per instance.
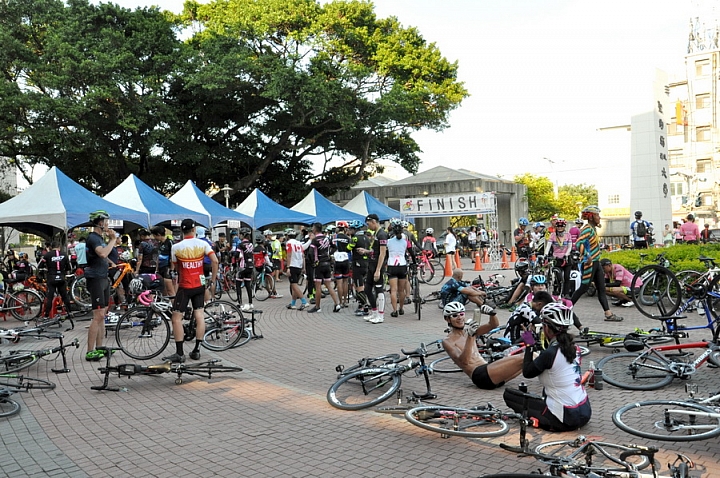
(341, 224)
(136, 286)
(395, 222)
(560, 223)
(200, 231)
(525, 312)
(356, 224)
(125, 256)
(18, 287)
(405, 224)
(244, 231)
(537, 279)
(578, 221)
(557, 316)
(98, 215)
(590, 211)
(523, 221)
(521, 266)
(605, 262)
(638, 214)
(453, 308)
(291, 233)
(359, 232)
(267, 232)
(539, 224)
(554, 217)
(429, 231)
(162, 306)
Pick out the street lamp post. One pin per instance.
(554, 179)
(226, 192)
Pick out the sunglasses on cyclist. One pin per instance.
(455, 316)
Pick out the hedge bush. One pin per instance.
(681, 256)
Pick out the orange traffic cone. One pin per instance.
(478, 261)
(486, 256)
(505, 264)
(457, 260)
(513, 256)
(448, 266)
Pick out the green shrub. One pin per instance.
(681, 256)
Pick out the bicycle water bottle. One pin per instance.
(591, 369)
(598, 379)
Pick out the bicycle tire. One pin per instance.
(438, 273)
(230, 290)
(626, 370)
(457, 421)
(29, 383)
(80, 293)
(8, 407)
(210, 369)
(226, 326)
(444, 365)
(142, 333)
(15, 362)
(351, 393)
(659, 295)
(262, 288)
(570, 450)
(416, 299)
(557, 281)
(25, 305)
(218, 289)
(648, 420)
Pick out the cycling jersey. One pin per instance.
(396, 249)
(321, 246)
(188, 254)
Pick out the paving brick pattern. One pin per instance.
(273, 419)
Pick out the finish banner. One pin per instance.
(457, 205)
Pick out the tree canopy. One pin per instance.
(542, 203)
(284, 95)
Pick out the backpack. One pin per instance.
(641, 229)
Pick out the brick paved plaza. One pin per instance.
(272, 419)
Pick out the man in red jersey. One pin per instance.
(187, 257)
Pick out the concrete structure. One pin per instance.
(438, 181)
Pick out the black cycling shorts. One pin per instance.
(323, 271)
(342, 269)
(481, 379)
(196, 296)
(295, 273)
(397, 272)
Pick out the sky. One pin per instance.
(543, 76)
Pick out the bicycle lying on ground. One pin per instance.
(14, 380)
(692, 419)
(227, 327)
(203, 369)
(616, 340)
(17, 360)
(371, 385)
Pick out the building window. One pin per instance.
(674, 129)
(702, 68)
(702, 133)
(614, 199)
(676, 158)
(676, 189)
(702, 101)
(703, 166)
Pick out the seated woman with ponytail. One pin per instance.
(564, 404)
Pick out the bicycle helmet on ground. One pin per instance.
(523, 221)
(560, 223)
(633, 343)
(537, 279)
(98, 215)
(453, 308)
(429, 231)
(557, 316)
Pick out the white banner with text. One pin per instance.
(456, 205)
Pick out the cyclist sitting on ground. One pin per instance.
(462, 348)
(564, 405)
(457, 290)
(617, 282)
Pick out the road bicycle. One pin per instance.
(365, 387)
(228, 328)
(430, 271)
(202, 369)
(616, 340)
(144, 331)
(38, 329)
(415, 290)
(692, 419)
(17, 360)
(225, 283)
(24, 304)
(655, 367)
(80, 293)
(8, 406)
(17, 381)
(263, 284)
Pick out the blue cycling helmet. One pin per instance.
(524, 222)
(539, 224)
(355, 224)
(537, 279)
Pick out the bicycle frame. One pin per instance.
(680, 369)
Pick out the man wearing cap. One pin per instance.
(374, 286)
(187, 258)
(320, 247)
(296, 262)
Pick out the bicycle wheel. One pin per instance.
(458, 421)
(25, 305)
(210, 369)
(226, 326)
(142, 333)
(660, 293)
(8, 407)
(416, 299)
(218, 289)
(556, 277)
(635, 372)
(577, 451)
(18, 361)
(668, 420)
(80, 293)
(229, 288)
(260, 286)
(363, 388)
(20, 381)
(444, 365)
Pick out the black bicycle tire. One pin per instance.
(127, 329)
(26, 305)
(239, 325)
(558, 283)
(226, 335)
(411, 416)
(29, 383)
(262, 293)
(231, 290)
(79, 292)
(437, 368)
(655, 298)
(620, 423)
(210, 369)
(218, 290)
(643, 461)
(438, 273)
(332, 394)
(417, 300)
(14, 407)
(15, 362)
(612, 373)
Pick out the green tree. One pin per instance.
(542, 203)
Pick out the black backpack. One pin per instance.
(641, 229)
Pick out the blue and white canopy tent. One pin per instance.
(56, 202)
(366, 204)
(323, 210)
(189, 196)
(263, 211)
(158, 209)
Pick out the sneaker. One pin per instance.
(377, 320)
(245, 308)
(302, 307)
(401, 312)
(627, 303)
(617, 302)
(250, 308)
(370, 316)
(359, 312)
(314, 309)
(174, 358)
(291, 307)
(393, 314)
(276, 296)
(195, 355)
(613, 318)
(337, 308)
(408, 301)
(94, 355)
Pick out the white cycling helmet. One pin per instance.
(429, 230)
(453, 308)
(557, 316)
(136, 286)
(125, 256)
(525, 311)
